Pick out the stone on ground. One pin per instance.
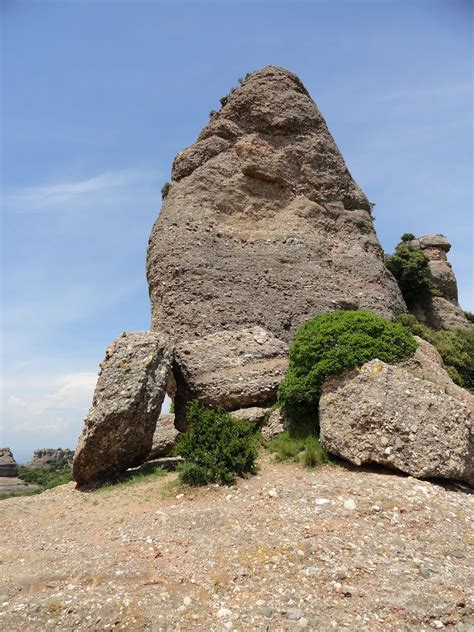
(410, 417)
(118, 429)
(164, 437)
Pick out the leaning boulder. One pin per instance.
(164, 437)
(8, 465)
(118, 430)
(410, 417)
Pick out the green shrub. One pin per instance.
(330, 343)
(299, 443)
(48, 477)
(469, 316)
(409, 266)
(216, 448)
(456, 348)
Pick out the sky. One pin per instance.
(98, 96)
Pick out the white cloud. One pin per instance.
(52, 196)
(51, 405)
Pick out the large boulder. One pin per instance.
(441, 310)
(263, 226)
(409, 416)
(118, 430)
(49, 457)
(229, 369)
(8, 465)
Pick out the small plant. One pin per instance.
(469, 316)
(409, 266)
(216, 448)
(299, 443)
(165, 189)
(330, 343)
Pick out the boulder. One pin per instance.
(118, 429)
(263, 226)
(8, 465)
(254, 414)
(230, 370)
(48, 457)
(441, 310)
(164, 437)
(409, 417)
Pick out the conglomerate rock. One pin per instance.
(409, 416)
(118, 429)
(263, 226)
(441, 310)
(8, 465)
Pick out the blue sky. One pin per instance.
(98, 97)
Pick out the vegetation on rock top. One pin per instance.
(409, 266)
(330, 343)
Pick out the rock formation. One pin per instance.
(118, 430)
(164, 437)
(8, 465)
(410, 417)
(441, 310)
(47, 457)
(263, 227)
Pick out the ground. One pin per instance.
(324, 549)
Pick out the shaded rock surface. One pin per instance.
(8, 465)
(442, 310)
(118, 429)
(47, 457)
(410, 416)
(164, 437)
(277, 423)
(263, 226)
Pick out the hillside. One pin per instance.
(325, 549)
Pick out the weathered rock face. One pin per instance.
(118, 430)
(229, 369)
(440, 311)
(263, 226)
(254, 414)
(277, 423)
(8, 465)
(411, 417)
(47, 457)
(164, 437)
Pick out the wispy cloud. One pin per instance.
(52, 196)
(444, 91)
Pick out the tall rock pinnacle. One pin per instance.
(263, 227)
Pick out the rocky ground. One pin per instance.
(14, 485)
(327, 549)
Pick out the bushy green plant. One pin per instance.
(469, 316)
(330, 343)
(47, 477)
(409, 266)
(456, 348)
(216, 448)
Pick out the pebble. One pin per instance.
(322, 501)
(350, 504)
(273, 493)
(187, 601)
(223, 612)
(267, 611)
(437, 624)
(294, 615)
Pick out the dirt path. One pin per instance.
(328, 549)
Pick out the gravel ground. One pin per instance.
(326, 549)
